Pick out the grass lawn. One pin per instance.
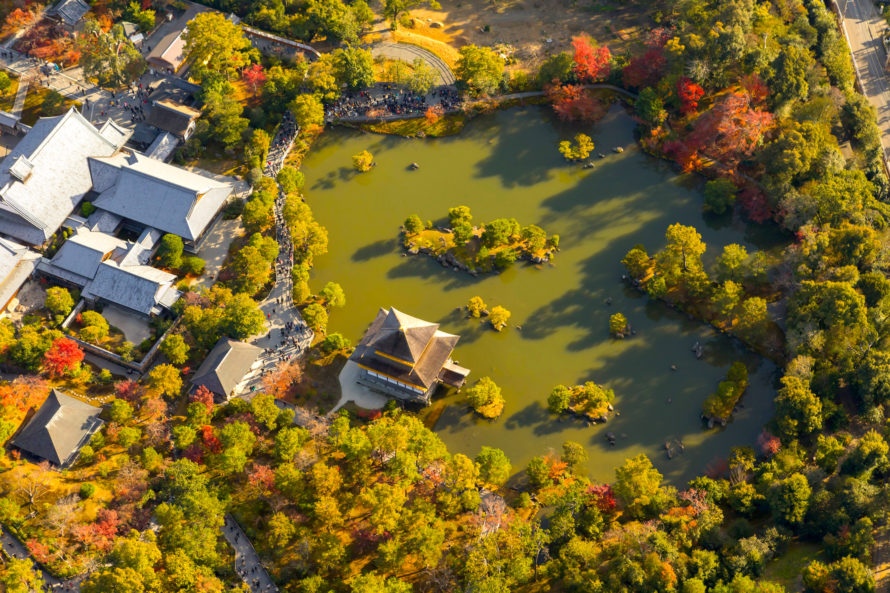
(36, 107)
(448, 54)
(7, 99)
(447, 125)
(787, 569)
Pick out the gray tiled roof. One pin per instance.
(56, 151)
(71, 11)
(59, 429)
(164, 196)
(225, 366)
(138, 288)
(82, 253)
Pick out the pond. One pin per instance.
(506, 165)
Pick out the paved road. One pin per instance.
(247, 562)
(864, 25)
(408, 53)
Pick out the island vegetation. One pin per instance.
(719, 406)
(480, 248)
(589, 401)
(485, 398)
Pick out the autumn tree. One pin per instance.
(574, 103)
(476, 306)
(798, 409)
(215, 46)
(638, 486)
(20, 575)
(592, 62)
(254, 75)
(680, 261)
(332, 295)
(58, 300)
(618, 326)
(109, 57)
(175, 349)
(498, 317)
(485, 398)
(165, 379)
(578, 150)
(689, 94)
(62, 358)
(480, 69)
(363, 161)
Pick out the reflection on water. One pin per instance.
(507, 165)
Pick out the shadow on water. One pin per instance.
(375, 249)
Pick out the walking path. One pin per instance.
(405, 52)
(863, 26)
(247, 561)
(20, 94)
(288, 336)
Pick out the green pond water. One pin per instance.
(506, 165)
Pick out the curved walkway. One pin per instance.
(406, 52)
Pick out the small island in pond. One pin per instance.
(590, 401)
(478, 248)
(718, 407)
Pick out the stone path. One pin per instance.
(406, 52)
(20, 94)
(288, 337)
(247, 561)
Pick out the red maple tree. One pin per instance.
(210, 440)
(254, 75)
(591, 63)
(62, 357)
(689, 93)
(129, 390)
(647, 68)
(768, 443)
(573, 103)
(204, 396)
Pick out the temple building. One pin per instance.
(406, 358)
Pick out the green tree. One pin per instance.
(170, 251)
(58, 300)
(120, 411)
(720, 195)
(480, 69)
(334, 342)
(251, 270)
(798, 409)
(308, 111)
(556, 69)
(792, 67)
(638, 485)
(290, 179)
(393, 8)
(175, 349)
(500, 231)
(94, 327)
(422, 78)
(256, 148)
(237, 444)
(575, 456)
(494, 466)
(144, 19)
(5, 82)
(215, 46)
(828, 452)
(224, 123)
(650, 108)
(20, 576)
(333, 295)
(354, 67)
(288, 442)
(485, 398)
(873, 378)
(618, 326)
(731, 263)
(316, 317)
(789, 498)
(109, 58)
(165, 379)
(680, 261)
(498, 317)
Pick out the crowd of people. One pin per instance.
(281, 144)
(387, 100)
(253, 573)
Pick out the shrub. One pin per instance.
(59, 301)
(413, 225)
(192, 265)
(86, 209)
(170, 251)
(86, 489)
(485, 398)
(720, 195)
(618, 326)
(334, 342)
(105, 376)
(719, 405)
(499, 317)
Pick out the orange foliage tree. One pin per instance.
(63, 357)
(591, 63)
(283, 379)
(24, 392)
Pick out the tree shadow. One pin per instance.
(375, 249)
